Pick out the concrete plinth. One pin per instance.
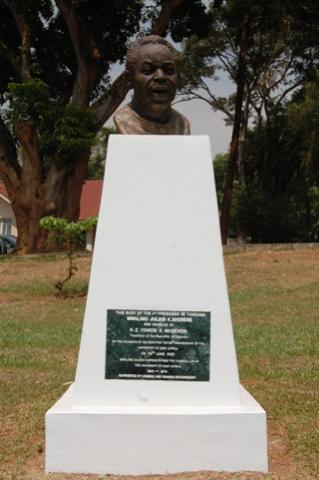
(153, 440)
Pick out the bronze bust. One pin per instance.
(151, 63)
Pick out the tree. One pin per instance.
(280, 199)
(261, 48)
(56, 93)
(303, 115)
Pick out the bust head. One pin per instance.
(152, 68)
(151, 63)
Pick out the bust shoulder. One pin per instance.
(181, 123)
(127, 121)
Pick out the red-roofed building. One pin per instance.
(90, 199)
(89, 207)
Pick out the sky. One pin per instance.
(203, 119)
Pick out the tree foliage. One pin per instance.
(280, 199)
(269, 49)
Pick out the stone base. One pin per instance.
(161, 440)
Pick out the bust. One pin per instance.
(151, 63)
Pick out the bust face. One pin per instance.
(154, 82)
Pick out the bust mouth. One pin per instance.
(161, 90)
(161, 93)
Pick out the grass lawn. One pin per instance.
(275, 305)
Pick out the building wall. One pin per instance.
(6, 214)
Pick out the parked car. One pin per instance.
(8, 243)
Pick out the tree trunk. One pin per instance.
(74, 185)
(242, 138)
(31, 238)
(233, 154)
(35, 197)
(63, 187)
(27, 197)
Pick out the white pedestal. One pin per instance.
(128, 440)
(157, 252)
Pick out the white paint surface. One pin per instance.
(128, 440)
(157, 247)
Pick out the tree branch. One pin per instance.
(25, 33)
(187, 98)
(282, 77)
(10, 169)
(288, 90)
(193, 96)
(226, 64)
(32, 164)
(214, 102)
(85, 72)
(160, 25)
(105, 106)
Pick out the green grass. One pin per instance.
(277, 338)
(39, 340)
(42, 288)
(275, 309)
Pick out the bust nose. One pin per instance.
(159, 75)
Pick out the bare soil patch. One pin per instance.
(284, 268)
(42, 270)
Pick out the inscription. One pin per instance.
(157, 345)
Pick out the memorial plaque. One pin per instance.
(157, 345)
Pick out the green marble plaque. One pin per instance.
(157, 345)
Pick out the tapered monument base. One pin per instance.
(157, 387)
